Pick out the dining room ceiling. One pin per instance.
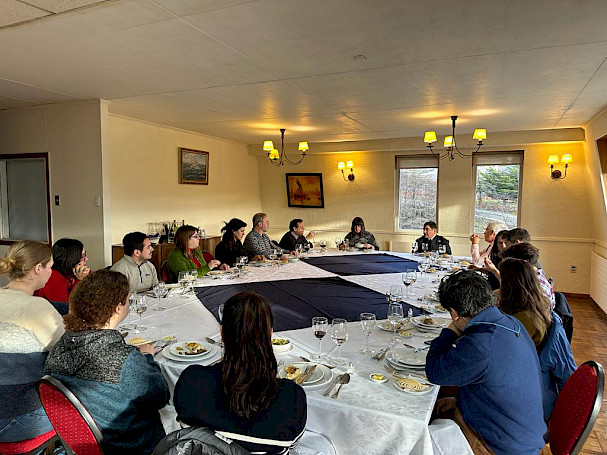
(337, 70)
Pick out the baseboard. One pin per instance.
(577, 296)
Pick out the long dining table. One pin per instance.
(367, 417)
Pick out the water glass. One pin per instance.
(160, 290)
(442, 249)
(424, 247)
(414, 248)
(320, 324)
(139, 306)
(367, 324)
(408, 279)
(396, 293)
(395, 316)
(337, 242)
(339, 335)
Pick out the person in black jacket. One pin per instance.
(296, 236)
(430, 241)
(230, 246)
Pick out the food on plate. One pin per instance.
(405, 334)
(445, 255)
(293, 372)
(279, 341)
(284, 259)
(378, 377)
(411, 384)
(440, 308)
(428, 320)
(193, 348)
(137, 341)
(431, 269)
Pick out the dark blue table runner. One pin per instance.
(295, 302)
(362, 264)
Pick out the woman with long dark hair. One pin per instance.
(493, 259)
(358, 235)
(120, 385)
(69, 269)
(241, 396)
(230, 246)
(187, 255)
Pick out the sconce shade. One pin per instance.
(553, 159)
(566, 158)
(274, 154)
(448, 141)
(340, 165)
(268, 146)
(480, 134)
(350, 164)
(303, 147)
(430, 137)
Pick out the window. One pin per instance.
(498, 185)
(24, 209)
(417, 190)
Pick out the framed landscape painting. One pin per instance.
(305, 190)
(193, 166)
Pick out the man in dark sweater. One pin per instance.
(491, 358)
(296, 236)
(431, 241)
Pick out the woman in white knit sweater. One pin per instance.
(29, 327)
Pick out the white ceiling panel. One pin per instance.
(59, 6)
(14, 11)
(189, 7)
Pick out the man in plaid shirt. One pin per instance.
(257, 244)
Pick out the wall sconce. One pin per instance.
(554, 159)
(349, 164)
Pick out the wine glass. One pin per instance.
(407, 280)
(339, 335)
(273, 256)
(414, 248)
(160, 290)
(395, 316)
(396, 293)
(320, 324)
(337, 242)
(323, 244)
(423, 268)
(192, 276)
(367, 324)
(140, 306)
(425, 247)
(128, 325)
(298, 249)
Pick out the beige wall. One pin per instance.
(71, 134)
(556, 213)
(143, 175)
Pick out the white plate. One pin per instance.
(402, 368)
(259, 264)
(180, 353)
(387, 327)
(411, 391)
(407, 357)
(293, 259)
(440, 323)
(183, 358)
(317, 375)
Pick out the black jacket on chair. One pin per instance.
(196, 441)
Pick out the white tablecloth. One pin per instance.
(367, 418)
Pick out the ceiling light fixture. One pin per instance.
(450, 144)
(279, 158)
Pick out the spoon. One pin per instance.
(344, 380)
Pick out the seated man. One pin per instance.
(135, 264)
(257, 245)
(295, 236)
(431, 240)
(492, 229)
(516, 235)
(491, 358)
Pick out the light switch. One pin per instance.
(97, 201)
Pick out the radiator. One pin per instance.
(598, 280)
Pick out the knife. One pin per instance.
(300, 380)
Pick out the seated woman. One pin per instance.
(230, 246)
(359, 236)
(120, 385)
(187, 255)
(521, 297)
(493, 259)
(68, 269)
(29, 327)
(241, 396)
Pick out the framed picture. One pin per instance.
(305, 190)
(193, 166)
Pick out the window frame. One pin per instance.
(397, 167)
(21, 156)
(499, 158)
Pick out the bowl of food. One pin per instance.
(281, 344)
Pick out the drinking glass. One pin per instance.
(298, 249)
(140, 306)
(395, 316)
(396, 293)
(424, 247)
(323, 244)
(423, 268)
(339, 335)
(160, 290)
(367, 324)
(128, 325)
(337, 242)
(407, 280)
(193, 276)
(273, 256)
(320, 324)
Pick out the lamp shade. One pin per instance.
(303, 147)
(430, 137)
(480, 134)
(273, 155)
(448, 141)
(553, 159)
(268, 146)
(350, 164)
(566, 158)
(340, 165)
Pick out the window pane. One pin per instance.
(497, 188)
(417, 197)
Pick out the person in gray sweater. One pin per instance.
(135, 264)
(120, 385)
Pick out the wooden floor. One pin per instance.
(590, 343)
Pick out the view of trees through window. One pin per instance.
(497, 188)
(417, 197)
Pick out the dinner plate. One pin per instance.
(407, 357)
(182, 358)
(425, 389)
(403, 369)
(317, 375)
(179, 350)
(386, 326)
(218, 273)
(437, 322)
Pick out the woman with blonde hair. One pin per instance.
(29, 327)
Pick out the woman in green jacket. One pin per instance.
(187, 255)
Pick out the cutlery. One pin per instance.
(305, 359)
(309, 370)
(394, 372)
(345, 378)
(335, 380)
(416, 349)
(212, 341)
(124, 334)
(383, 354)
(380, 353)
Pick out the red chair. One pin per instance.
(32, 446)
(208, 257)
(576, 409)
(164, 273)
(69, 417)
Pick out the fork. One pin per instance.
(333, 382)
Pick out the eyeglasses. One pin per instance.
(195, 236)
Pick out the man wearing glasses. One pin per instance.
(135, 264)
(431, 241)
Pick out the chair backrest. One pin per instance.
(69, 417)
(32, 446)
(208, 257)
(576, 409)
(164, 274)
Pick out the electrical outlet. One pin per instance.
(573, 268)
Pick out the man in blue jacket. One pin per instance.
(493, 361)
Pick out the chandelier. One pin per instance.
(279, 158)
(450, 145)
